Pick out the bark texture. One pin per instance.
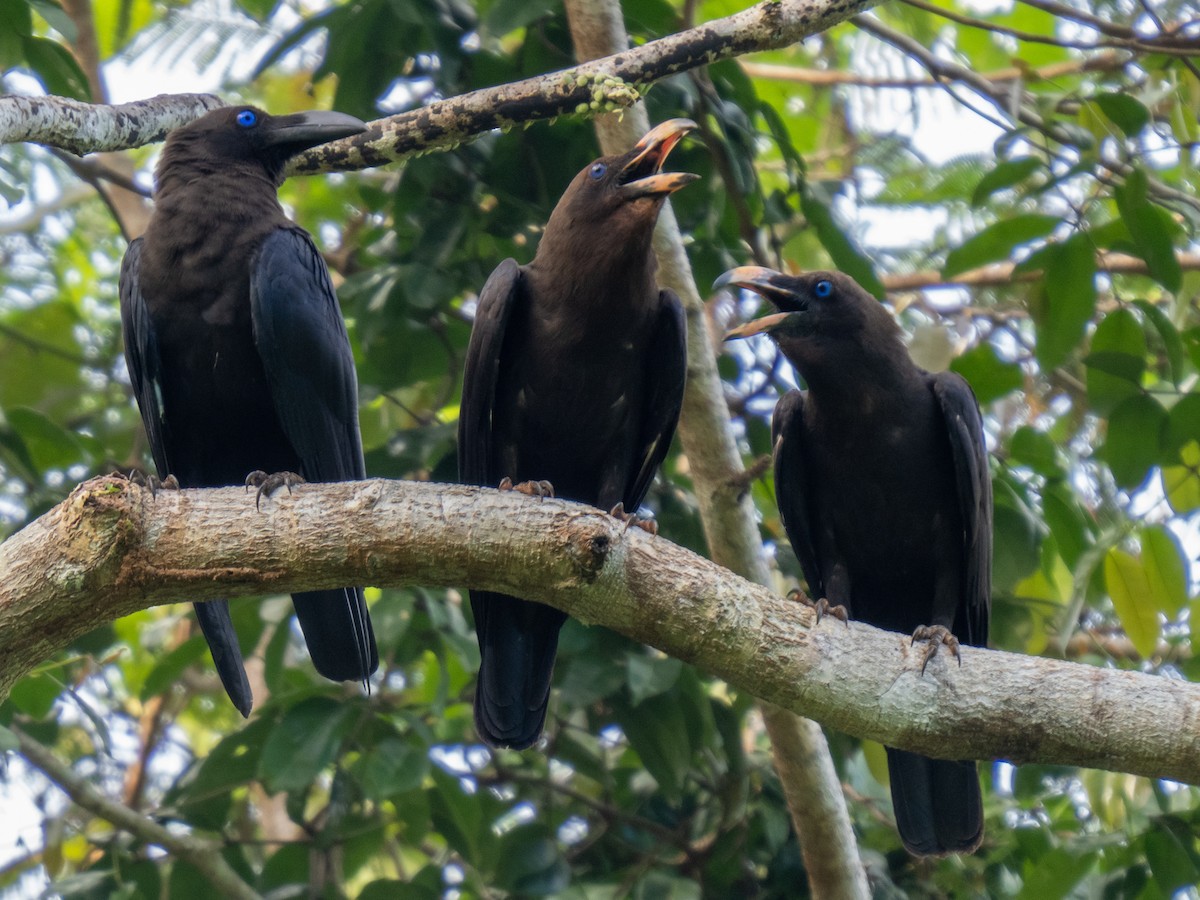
(616, 81)
(111, 548)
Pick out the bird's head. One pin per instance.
(622, 195)
(821, 314)
(246, 135)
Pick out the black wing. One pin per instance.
(666, 361)
(964, 426)
(482, 372)
(145, 374)
(791, 486)
(141, 356)
(517, 639)
(305, 352)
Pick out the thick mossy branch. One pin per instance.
(111, 548)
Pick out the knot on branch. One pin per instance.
(590, 537)
(95, 524)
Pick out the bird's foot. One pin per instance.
(936, 635)
(269, 484)
(153, 483)
(539, 489)
(648, 525)
(821, 607)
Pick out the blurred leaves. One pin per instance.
(654, 780)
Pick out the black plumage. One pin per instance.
(882, 482)
(574, 375)
(237, 351)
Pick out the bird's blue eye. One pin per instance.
(823, 288)
(247, 119)
(597, 171)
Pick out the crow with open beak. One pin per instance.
(574, 377)
(881, 477)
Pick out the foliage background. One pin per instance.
(1057, 152)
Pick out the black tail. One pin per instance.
(217, 627)
(938, 805)
(337, 630)
(517, 643)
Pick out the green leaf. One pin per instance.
(990, 377)
(1171, 853)
(1183, 424)
(305, 741)
(56, 18)
(530, 863)
(57, 68)
(650, 676)
(1172, 341)
(167, 670)
(35, 695)
(1181, 484)
(1134, 440)
(658, 732)
(394, 765)
(1123, 111)
(1004, 175)
(1035, 449)
(1016, 543)
(16, 24)
(1055, 874)
(461, 818)
(49, 446)
(1116, 361)
(997, 242)
(1163, 561)
(1151, 230)
(8, 740)
(1129, 587)
(40, 359)
(1068, 299)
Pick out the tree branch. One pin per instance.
(205, 855)
(88, 127)
(616, 81)
(111, 548)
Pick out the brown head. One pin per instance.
(248, 140)
(825, 318)
(609, 209)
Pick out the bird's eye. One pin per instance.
(247, 119)
(823, 288)
(597, 171)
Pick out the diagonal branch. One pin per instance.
(111, 549)
(614, 82)
(205, 855)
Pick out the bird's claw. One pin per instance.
(648, 525)
(539, 489)
(269, 484)
(936, 635)
(821, 607)
(152, 483)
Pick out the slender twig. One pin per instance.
(205, 855)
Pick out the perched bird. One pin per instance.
(237, 351)
(574, 376)
(882, 481)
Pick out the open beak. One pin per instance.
(765, 325)
(300, 131)
(761, 281)
(643, 175)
